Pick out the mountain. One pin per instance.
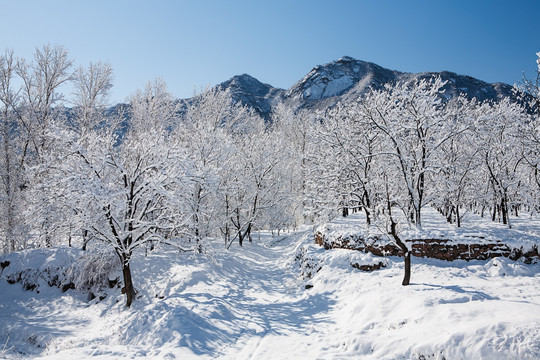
(252, 92)
(345, 80)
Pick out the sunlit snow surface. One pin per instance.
(252, 303)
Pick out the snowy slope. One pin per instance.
(253, 303)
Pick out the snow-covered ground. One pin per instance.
(253, 303)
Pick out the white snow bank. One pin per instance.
(253, 303)
(38, 267)
(459, 310)
(63, 267)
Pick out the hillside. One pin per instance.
(345, 80)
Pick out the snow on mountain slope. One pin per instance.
(346, 79)
(253, 93)
(254, 303)
(335, 78)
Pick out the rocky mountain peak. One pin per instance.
(338, 77)
(346, 79)
(251, 92)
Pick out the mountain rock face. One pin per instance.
(252, 92)
(340, 77)
(346, 79)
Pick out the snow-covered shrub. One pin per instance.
(37, 267)
(65, 268)
(93, 272)
(309, 264)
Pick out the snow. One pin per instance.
(322, 88)
(253, 303)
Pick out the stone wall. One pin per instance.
(441, 249)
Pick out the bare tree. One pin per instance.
(125, 193)
(92, 86)
(11, 159)
(532, 87)
(498, 133)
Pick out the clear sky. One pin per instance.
(191, 44)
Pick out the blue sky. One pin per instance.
(192, 44)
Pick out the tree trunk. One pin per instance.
(407, 277)
(128, 282)
(418, 216)
(368, 216)
(397, 239)
(367, 206)
(240, 238)
(504, 209)
(85, 239)
(248, 232)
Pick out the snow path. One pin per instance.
(187, 306)
(251, 303)
(273, 302)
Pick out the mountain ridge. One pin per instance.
(346, 79)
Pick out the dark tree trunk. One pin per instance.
(368, 216)
(367, 206)
(403, 247)
(248, 232)
(399, 242)
(240, 237)
(85, 239)
(128, 283)
(418, 216)
(504, 210)
(345, 211)
(407, 277)
(225, 231)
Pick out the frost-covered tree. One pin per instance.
(297, 134)
(256, 186)
(39, 112)
(125, 192)
(40, 97)
(91, 91)
(532, 86)
(458, 159)
(498, 132)
(353, 143)
(12, 158)
(291, 133)
(410, 117)
(206, 132)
